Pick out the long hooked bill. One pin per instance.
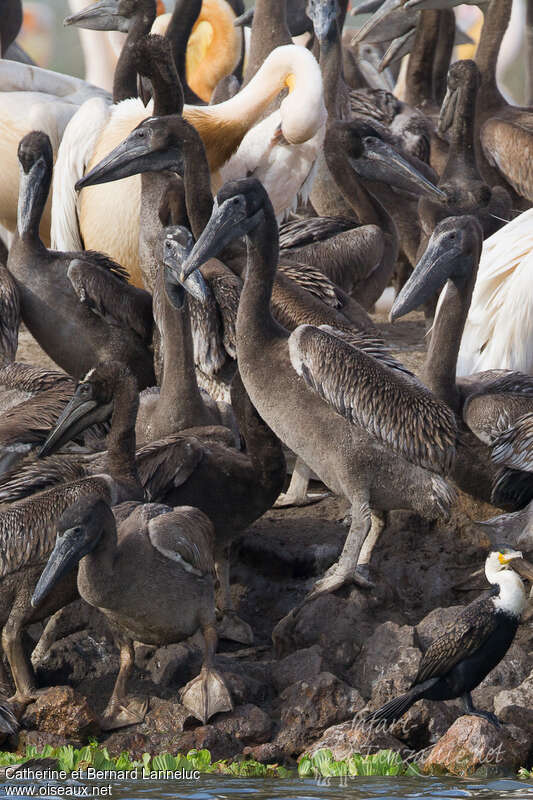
(381, 162)
(77, 416)
(245, 19)
(130, 157)
(68, 551)
(427, 278)
(447, 110)
(194, 284)
(365, 7)
(379, 15)
(434, 5)
(398, 48)
(101, 16)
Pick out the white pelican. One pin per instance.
(34, 99)
(499, 329)
(97, 128)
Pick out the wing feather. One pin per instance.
(370, 391)
(185, 535)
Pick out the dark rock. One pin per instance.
(39, 740)
(219, 744)
(76, 657)
(425, 723)
(247, 724)
(474, 746)
(332, 622)
(516, 705)
(387, 665)
(269, 753)
(166, 716)
(133, 742)
(347, 738)
(303, 665)
(308, 708)
(62, 712)
(434, 624)
(174, 665)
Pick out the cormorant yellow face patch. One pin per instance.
(505, 559)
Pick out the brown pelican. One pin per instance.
(27, 528)
(502, 132)
(67, 298)
(465, 190)
(151, 575)
(487, 400)
(323, 392)
(458, 660)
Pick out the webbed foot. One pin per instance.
(488, 715)
(336, 576)
(292, 499)
(118, 715)
(232, 627)
(206, 695)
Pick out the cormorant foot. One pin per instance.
(118, 715)
(289, 499)
(206, 695)
(232, 627)
(488, 715)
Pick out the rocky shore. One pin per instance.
(343, 653)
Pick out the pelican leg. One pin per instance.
(121, 711)
(365, 556)
(21, 669)
(344, 570)
(207, 694)
(230, 625)
(297, 494)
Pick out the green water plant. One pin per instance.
(385, 762)
(70, 759)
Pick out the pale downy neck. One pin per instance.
(125, 80)
(121, 443)
(369, 212)
(441, 361)
(96, 570)
(254, 316)
(461, 161)
(180, 403)
(495, 24)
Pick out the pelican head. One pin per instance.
(176, 242)
(462, 73)
(36, 161)
(237, 210)
(374, 159)
(323, 14)
(112, 15)
(78, 531)
(92, 402)
(452, 253)
(153, 146)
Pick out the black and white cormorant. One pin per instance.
(458, 660)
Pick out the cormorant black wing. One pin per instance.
(464, 636)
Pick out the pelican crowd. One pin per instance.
(198, 236)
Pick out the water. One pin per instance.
(212, 787)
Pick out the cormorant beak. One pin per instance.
(79, 414)
(245, 19)
(194, 284)
(428, 277)
(377, 19)
(101, 16)
(228, 221)
(68, 551)
(381, 162)
(131, 157)
(447, 110)
(323, 14)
